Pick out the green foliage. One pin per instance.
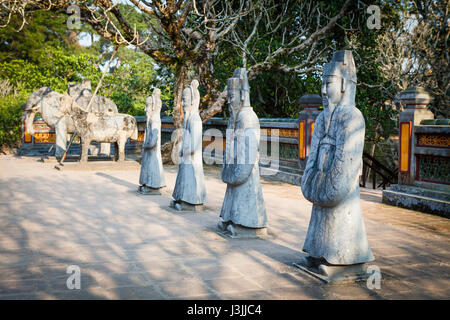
(123, 102)
(380, 119)
(374, 101)
(43, 29)
(56, 69)
(275, 93)
(127, 104)
(10, 116)
(131, 80)
(22, 74)
(45, 54)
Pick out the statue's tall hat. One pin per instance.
(239, 81)
(191, 91)
(342, 65)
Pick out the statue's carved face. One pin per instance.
(152, 102)
(186, 100)
(331, 90)
(234, 99)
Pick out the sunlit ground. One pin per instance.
(130, 246)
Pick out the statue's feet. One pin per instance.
(318, 265)
(231, 230)
(308, 262)
(328, 272)
(323, 270)
(222, 225)
(143, 189)
(175, 205)
(184, 206)
(146, 190)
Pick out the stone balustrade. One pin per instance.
(424, 157)
(424, 149)
(280, 161)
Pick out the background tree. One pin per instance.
(44, 29)
(414, 51)
(187, 36)
(283, 45)
(46, 53)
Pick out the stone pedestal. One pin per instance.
(333, 273)
(184, 206)
(424, 158)
(423, 196)
(236, 231)
(149, 191)
(415, 100)
(310, 104)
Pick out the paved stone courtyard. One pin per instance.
(130, 246)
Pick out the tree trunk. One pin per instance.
(170, 150)
(180, 81)
(372, 152)
(215, 107)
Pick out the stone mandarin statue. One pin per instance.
(152, 173)
(243, 212)
(189, 193)
(336, 233)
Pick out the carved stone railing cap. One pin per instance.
(435, 122)
(310, 101)
(415, 96)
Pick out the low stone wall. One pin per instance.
(433, 153)
(424, 158)
(276, 135)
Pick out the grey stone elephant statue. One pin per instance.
(46, 102)
(110, 128)
(82, 93)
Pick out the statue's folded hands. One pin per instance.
(237, 174)
(152, 141)
(190, 142)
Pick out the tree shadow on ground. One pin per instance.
(131, 247)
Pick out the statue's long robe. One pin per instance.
(330, 181)
(243, 203)
(152, 172)
(190, 183)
